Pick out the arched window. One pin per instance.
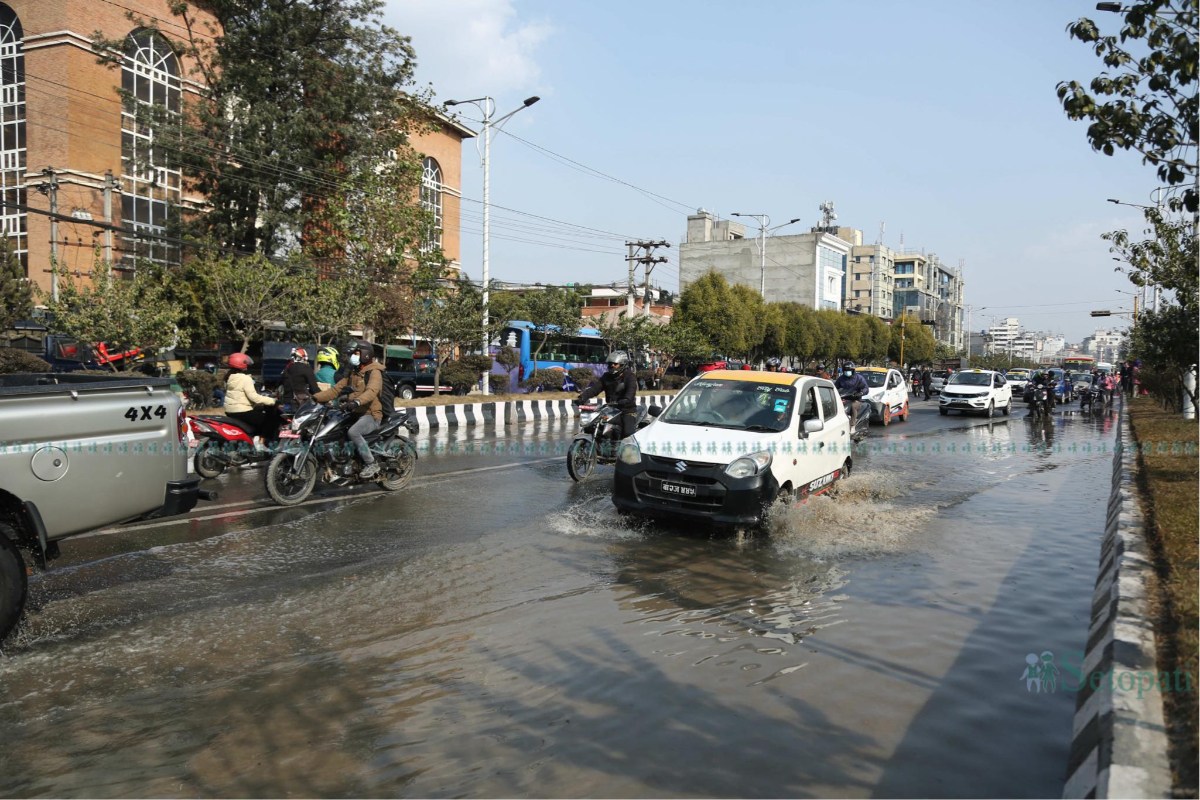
(431, 201)
(150, 181)
(12, 135)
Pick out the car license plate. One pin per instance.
(679, 489)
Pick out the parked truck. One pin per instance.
(79, 452)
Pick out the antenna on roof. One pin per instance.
(882, 228)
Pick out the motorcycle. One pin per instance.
(1093, 398)
(860, 423)
(599, 436)
(226, 442)
(1039, 401)
(323, 451)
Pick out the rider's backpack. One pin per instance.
(387, 397)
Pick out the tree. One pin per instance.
(748, 326)
(122, 314)
(250, 292)
(553, 311)
(802, 331)
(707, 306)
(1167, 260)
(1145, 102)
(326, 307)
(16, 291)
(919, 344)
(297, 96)
(451, 319)
(679, 341)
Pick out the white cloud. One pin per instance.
(469, 48)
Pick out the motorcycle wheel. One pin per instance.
(286, 488)
(208, 461)
(581, 459)
(399, 472)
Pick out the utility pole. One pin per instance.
(51, 189)
(645, 256)
(109, 183)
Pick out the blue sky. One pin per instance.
(934, 118)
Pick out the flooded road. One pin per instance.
(499, 631)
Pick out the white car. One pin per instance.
(1017, 379)
(731, 443)
(976, 390)
(888, 395)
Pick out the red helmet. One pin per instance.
(240, 361)
(299, 354)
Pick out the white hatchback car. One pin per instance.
(888, 394)
(977, 390)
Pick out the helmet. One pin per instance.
(773, 363)
(848, 366)
(618, 360)
(328, 355)
(240, 361)
(366, 353)
(351, 347)
(299, 354)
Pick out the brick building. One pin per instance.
(68, 146)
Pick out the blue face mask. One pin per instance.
(354, 360)
(848, 373)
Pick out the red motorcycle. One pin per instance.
(225, 442)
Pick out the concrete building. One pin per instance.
(66, 141)
(870, 280)
(926, 288)
(1002, 335)
(1104, 345)
(807, 268)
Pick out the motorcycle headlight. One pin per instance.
(748, 465)
(629, 452)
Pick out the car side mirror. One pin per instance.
(812, 426)
(654, 411)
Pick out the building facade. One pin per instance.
(808, 268)
(870, 280)
(80, 177)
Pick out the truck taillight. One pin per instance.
(182, 424)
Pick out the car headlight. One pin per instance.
(629, 452)
(748, 465)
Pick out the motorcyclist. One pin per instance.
(327, 366)
(619, 385)
(363, 385)
(245, 404)
(853, 386)
(299, 380)
(773, 364)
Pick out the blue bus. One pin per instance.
(584, 349)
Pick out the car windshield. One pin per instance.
(1018, 374)
(739, 405)
(875, 379)
(971, 379)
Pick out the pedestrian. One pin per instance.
(1126, 377)
(926, 381)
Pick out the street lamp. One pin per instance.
(763, 222)
(487, 107)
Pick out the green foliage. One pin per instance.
(14, 360)
(325, 307)
(1168, 259)
(707, 307)
(249, 292)
(548, 380)
(451, 319)
(551, 310)
(297, 96)
(122, 313)
(1145, 100)
(919, 346)
(1166, 343)
(509, 358)
(16, 291)
(463, 374)
(198, 383)
(582, 376)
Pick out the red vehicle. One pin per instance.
(225, 442)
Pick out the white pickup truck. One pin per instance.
(78, 452)
(731, 443)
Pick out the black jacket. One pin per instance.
(620, 390)
(299, 381)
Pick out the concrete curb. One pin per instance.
(513, 412)
(1119, 738)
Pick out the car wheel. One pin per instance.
(886, 416)
(990, 411)
(942, 411)
(406, 392)
(1007, 408)
(13, 583)
(905, 413)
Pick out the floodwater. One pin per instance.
(503, 633)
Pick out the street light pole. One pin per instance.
(763, 222)
(487, 107)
